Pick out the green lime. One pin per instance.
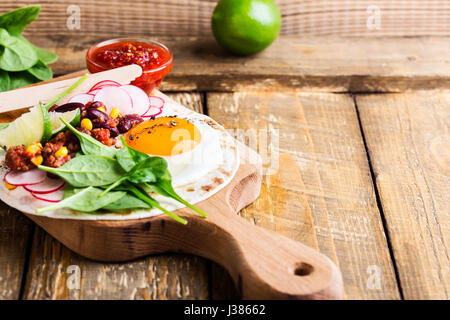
(47, 125)
(246, 26)
(72, 117)
(33, 126)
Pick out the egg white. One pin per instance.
(188, 167)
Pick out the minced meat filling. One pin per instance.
(105, 129)
(17, 159)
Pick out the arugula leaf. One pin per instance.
(86, 200)
(41, 71)
(17, 55)
(15, 21)
(88, 170)
(5, 81)
(89, 145)
(129, 201)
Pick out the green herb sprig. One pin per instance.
(21, 63)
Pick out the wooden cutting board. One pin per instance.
(263, 264)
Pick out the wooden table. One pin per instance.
(358, 133)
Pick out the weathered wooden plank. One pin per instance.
(53, 269)
(15, 232)
(319, 190)
(193, 17)
(312, 64)
(408, 137)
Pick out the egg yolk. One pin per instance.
(164, 136)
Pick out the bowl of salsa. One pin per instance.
(155, 59)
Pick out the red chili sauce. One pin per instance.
(156, 60)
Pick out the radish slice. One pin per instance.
(156, 106)
(49, 185)
(24, 178)
(139, 98)
(94, 92)
(115, 97)
(82, 98)
(156, 102)
(103, 84)
(56, 196)
(152, 112)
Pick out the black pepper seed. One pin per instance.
(131, 137)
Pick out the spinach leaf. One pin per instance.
(89, 145)
(21, 79)
(41, 71)
(4, 126)
(17, 55)
(164, 187)
(148, 170)
(5, 81)
(86, 200)
(88, 170)
(142, 195)
(129, 157)
(15, 21)
(129, 201)
(45, 56)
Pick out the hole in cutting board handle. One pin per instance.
(303, 269)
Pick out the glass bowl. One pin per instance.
(152, 73)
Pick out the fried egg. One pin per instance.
(190, 146)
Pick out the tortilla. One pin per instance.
(196, 192)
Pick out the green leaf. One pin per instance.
(45, 56)
(148, 170)
(89, 145)
(41, 71)
(5, 81)
(127, 202)
(21, 79)
(152, 202)
(129, 157)
(15, 21)
(17, 55)
(86, 200)
(88, 170)
(164, 187)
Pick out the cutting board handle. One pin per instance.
(263, 264)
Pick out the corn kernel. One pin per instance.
(37, 161)
(9, 186)
(86, 124)
(34, 148)
(115, 112)
(62, 152)
(102, 109)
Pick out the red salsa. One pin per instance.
(154, 58)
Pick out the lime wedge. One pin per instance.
(31, 127)
(72, 117)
